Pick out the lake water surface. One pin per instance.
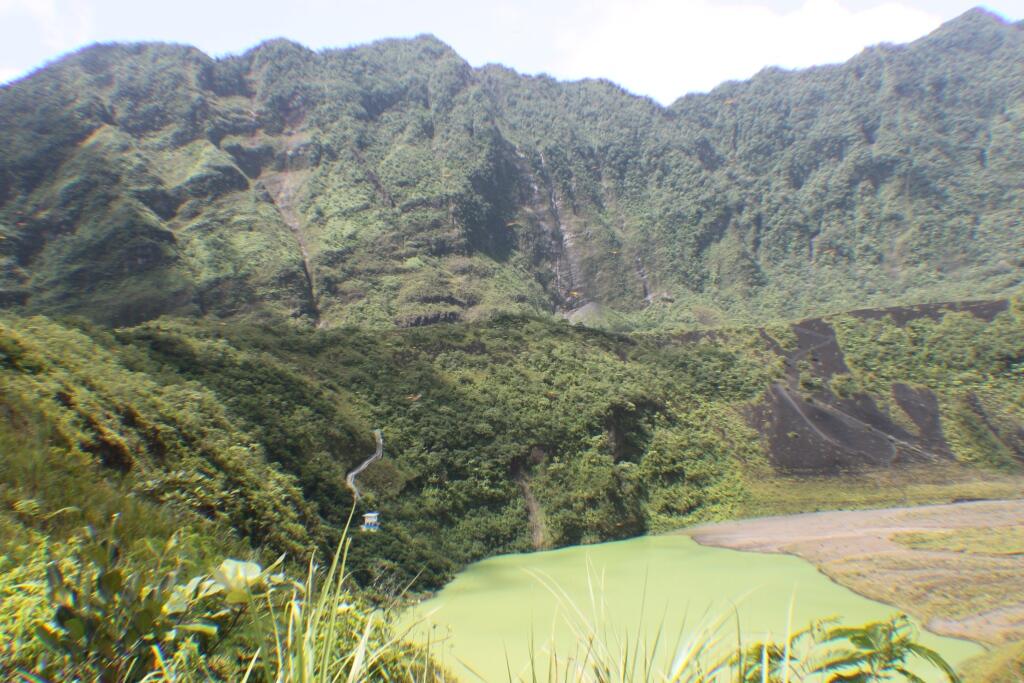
(489, 611)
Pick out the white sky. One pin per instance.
(661, 48)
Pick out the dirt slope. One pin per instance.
(809, 429)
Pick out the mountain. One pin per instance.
(221, 276)
(394, 185)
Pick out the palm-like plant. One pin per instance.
(875, 652)
(880, 651)
(823, 652)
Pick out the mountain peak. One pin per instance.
(426, 44)
(980, 14)
(977, 30)
(976, 18)
(279, 45)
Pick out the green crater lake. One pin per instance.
(487, 614)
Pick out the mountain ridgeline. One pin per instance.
(394, 185)
(219, 278)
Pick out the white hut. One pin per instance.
(371, 521)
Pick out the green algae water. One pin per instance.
(482, 623)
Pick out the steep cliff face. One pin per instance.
(393, 184)
(813, 420)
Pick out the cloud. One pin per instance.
(666, 48)
(63, 24)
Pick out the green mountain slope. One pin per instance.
(393, 184)
(517, 433)
(218, 276)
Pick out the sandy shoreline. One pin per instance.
(964, 594)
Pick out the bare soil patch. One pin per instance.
(974, 592)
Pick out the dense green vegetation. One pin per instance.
(219, 276)
(52, 485)
(142, 592)
(253, 426)
(462, 409)
(393, 184)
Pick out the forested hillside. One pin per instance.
(394, 185)
(515, 433)
(218, 277)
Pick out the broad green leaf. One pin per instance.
(238, 579)
(49, 638)
(109, 583)
(208, 630)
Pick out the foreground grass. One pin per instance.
(100, 584)
(111, 621)
(88, 611)
(714, 651)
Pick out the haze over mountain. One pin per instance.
(393, 184)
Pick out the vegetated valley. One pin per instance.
(575, 315)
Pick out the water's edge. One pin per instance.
(486, 617)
